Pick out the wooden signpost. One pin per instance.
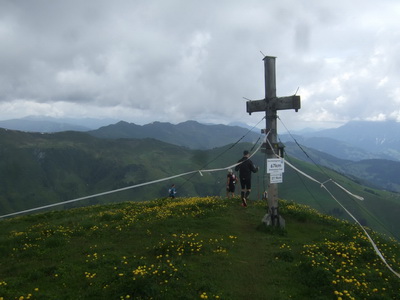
(271, 104)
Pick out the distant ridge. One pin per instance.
(356, 140)
(376, 173)
(40, 126)
(45, 124)
(373, 136)
(190, 134)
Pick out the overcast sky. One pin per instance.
(172, 61)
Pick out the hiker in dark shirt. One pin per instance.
(245, 168)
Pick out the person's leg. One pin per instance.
(244, 191)
(243, 186)
(229, 191)
(248, 187)
(243, 197)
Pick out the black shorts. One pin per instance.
(245, 183)
(230, 188)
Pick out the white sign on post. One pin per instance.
(276, 178)
(275, 165)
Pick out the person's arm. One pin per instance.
(254, 169)
(238, 166)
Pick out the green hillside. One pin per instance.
(191, 248)
(377, 173)
(379, 209)
(41, 169)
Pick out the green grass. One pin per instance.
(191, 248)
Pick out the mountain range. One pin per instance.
(190, 134)
(356, 140)
(376, 166)
(50, 124)
(39, 169)
(366, 151)
(376, 173)
(353, 141)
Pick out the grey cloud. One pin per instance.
(179, 59)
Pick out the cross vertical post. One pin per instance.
(271, 104)
(272, 216)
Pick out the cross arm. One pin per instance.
(290, 102)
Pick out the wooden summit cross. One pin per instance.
(271, 104)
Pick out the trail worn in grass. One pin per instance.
(264, 266)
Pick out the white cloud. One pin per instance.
(143, 61)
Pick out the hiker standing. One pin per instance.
(245, 168)
(172, 191)
(230, 184)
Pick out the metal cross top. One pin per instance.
(271, 104)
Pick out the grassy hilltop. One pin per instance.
(191, 248)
